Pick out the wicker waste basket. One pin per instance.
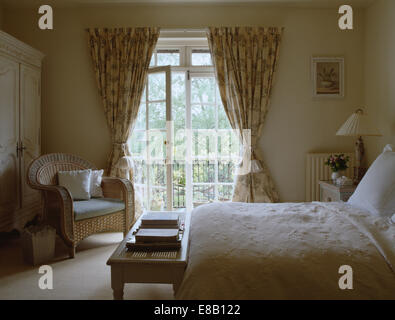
(38, 244)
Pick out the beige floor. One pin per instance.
(85, 277)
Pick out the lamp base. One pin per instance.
(359, 172)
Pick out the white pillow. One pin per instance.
(96, 177)
(77, 182)
(376, 191)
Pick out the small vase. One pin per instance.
(335, 176)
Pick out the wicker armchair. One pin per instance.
(58, 204)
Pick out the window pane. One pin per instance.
(228, 144)
(140, 121)
(226, 171)
(203, 90)
(203, 171)
(157, 173)
(139, 171)
(203, 117)
(225, 192)
(157, 146)
(201, 57)
(157, 86)
(203, 143)
(168, 57)
(178, 100)
(203, 194)
(179, 185)
(137, 143)
(152, 62)
(223, 121)
(180, 145)
(157, 115)
(158, 199)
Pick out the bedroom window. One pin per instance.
(184, 149)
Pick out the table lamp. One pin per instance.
(358, 125)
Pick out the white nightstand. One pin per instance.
(331, 192)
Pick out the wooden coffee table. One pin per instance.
(148, 267)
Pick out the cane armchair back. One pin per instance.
(44, 169)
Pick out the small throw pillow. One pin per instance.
(376, 191)
(96, 190)
(77, 182)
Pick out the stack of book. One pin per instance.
(164, 220)
(158, 231)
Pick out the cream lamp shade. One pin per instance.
(358, 124)
(125, 163)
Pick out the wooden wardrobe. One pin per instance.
(20, 136)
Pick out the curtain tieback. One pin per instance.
(121, 146)
(249, 163)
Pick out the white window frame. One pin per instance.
(185, 47)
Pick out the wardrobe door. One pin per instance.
(9, 135)
(30, 136)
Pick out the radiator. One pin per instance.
(317, 170)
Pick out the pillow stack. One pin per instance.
(376, 191)
(82, 184)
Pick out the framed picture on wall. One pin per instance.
(328, 77)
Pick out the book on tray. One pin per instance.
(155, 240)
(163, 220)
(156, 235)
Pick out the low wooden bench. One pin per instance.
(148, 267)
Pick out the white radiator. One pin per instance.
(317, 170)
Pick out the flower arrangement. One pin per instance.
(337, 162)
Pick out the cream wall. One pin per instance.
(73, 119)
(380, 73)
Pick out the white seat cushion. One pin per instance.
(96, 207)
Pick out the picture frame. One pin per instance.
(328, 77)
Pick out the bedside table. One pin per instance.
(331, 192)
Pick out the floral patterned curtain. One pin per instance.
(121, 58)
(245, 60)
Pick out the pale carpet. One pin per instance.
(85, 277)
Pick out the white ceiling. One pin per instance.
(295, 3)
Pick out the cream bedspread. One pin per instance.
(288, 251)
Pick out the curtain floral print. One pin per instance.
(121, 58)
(245, 60)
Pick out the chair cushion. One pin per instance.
(77, 182)
(96, 207)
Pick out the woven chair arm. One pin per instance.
(121, 189)
(65, 203)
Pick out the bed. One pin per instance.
(288, 251)
(291, 251)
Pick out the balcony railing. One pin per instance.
(205, 186)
